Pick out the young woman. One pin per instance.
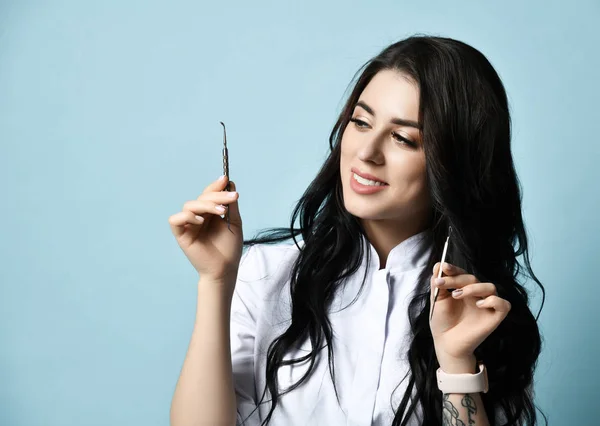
(341, 327)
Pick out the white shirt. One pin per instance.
(371, 339)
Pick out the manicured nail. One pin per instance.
(200, 218)
(457, 292)
(220, 209)
(480, 302)
(221, 177)
(232, 194)
(439, 281)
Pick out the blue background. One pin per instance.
(109, 122)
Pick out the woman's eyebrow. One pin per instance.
(398, 121)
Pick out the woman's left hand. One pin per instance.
(459, 324)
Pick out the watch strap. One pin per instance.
(463, 383)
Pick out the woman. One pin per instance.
(340, 328)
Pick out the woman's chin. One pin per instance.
(364, 213)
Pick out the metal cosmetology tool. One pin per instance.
(226, 171)
(437, 289)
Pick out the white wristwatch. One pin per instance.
(463, 383)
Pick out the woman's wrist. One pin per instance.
(462, 365)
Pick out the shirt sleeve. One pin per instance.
(245, 305)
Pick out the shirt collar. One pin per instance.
(411, 253)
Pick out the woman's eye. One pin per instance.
(359, 123)
(403, 140)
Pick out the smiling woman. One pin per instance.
(335, 329)
(381, 145)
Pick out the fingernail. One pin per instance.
(220, 209)
(200, 218)
(232, 194)
(221, 177)
(479, 302)
(439, 281)
(457, 292)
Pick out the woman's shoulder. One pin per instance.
(265, 268)
(267, 257)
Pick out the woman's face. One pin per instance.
(381, 140)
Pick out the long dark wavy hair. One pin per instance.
(473, 187)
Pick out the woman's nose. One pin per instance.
(371, 150)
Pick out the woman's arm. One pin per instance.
(464, 409)
(205, 393)
(462, 321)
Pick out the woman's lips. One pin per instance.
(364, 189)
(366, 175)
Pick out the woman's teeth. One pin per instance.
(367, 181)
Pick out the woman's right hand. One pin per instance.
(213, 250)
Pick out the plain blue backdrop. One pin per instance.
(109, 122)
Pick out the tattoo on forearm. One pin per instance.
(469, 403)
(450, 413)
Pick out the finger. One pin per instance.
(179, 220)
(437, 293)
(220, 197)
(475, 290)
(217, 185)
(496, 303)
(234, 208)
(203, 207)
(448, 269)
(434, 296)
(457, 281)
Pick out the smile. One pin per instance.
(367, 182)
(363, 186)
